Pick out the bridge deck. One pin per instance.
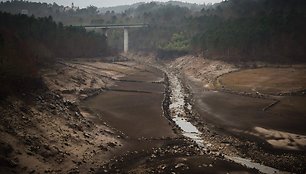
(115, 26)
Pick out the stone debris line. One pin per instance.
(178, 110)
(250, 164)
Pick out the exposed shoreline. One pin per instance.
(80, 140)
(216, 135)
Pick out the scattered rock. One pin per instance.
(181, 165)
(111, 144)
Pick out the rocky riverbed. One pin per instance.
(133, 114)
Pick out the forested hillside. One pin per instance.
(68, 15)
(123, 8)
(268, 30)
(233, 30)
(28, 43)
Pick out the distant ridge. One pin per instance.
(122, 8)
(119, 8)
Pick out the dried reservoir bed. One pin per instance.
(151, 143)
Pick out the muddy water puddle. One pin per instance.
(189, 130)
(193, 133)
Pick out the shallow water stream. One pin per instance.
(178, 114)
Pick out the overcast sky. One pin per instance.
(108, 3)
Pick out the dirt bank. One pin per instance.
(153, 142)
(126, 122)
(121, 126)
(46, 132)
(237, 123)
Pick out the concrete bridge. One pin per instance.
(118, 26)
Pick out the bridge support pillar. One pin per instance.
(126, 40)
(104, 31)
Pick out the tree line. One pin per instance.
(265, 30)
(29, 43)
(233, 30)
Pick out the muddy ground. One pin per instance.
(152, 143)
(115, 116)
(266, 127)
(46, 132)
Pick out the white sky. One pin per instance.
(108, 3)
